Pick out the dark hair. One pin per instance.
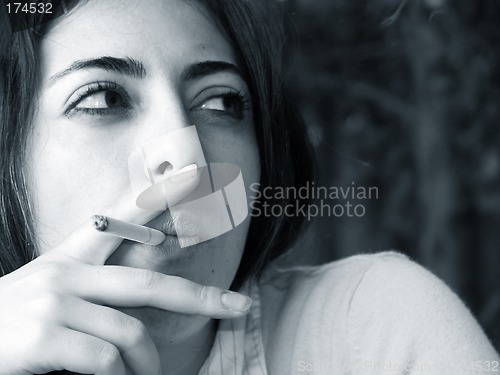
(257, 35)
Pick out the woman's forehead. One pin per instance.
(158, 33)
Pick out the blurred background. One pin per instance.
(404, 96)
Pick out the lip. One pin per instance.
(159, 257)
(164, 223)
(178, 229)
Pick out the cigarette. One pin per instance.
(129, 231)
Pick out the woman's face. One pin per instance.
(93, 114)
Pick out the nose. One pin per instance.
(165, 170)
(173, 151)
(163, 111)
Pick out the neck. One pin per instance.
(187, 356)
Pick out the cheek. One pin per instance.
(70, 181)
(227, 250)
(236, 145)
(217, 264)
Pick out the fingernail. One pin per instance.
(236, 301)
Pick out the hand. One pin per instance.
(55, 314)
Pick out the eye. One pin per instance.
(102, 99)
(99, 98)
(231, 103)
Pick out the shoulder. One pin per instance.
(306, 311)
(369, 308)
(387, 281)
(341, 280)
(402, 313)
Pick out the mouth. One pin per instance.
(179, 230)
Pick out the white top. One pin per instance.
(366, 314)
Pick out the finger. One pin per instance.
(78, 352)
(126, 333)
(91, 246)
(132, 287)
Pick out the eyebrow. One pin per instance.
(134, 68)
(126, 65)
(201, 69)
